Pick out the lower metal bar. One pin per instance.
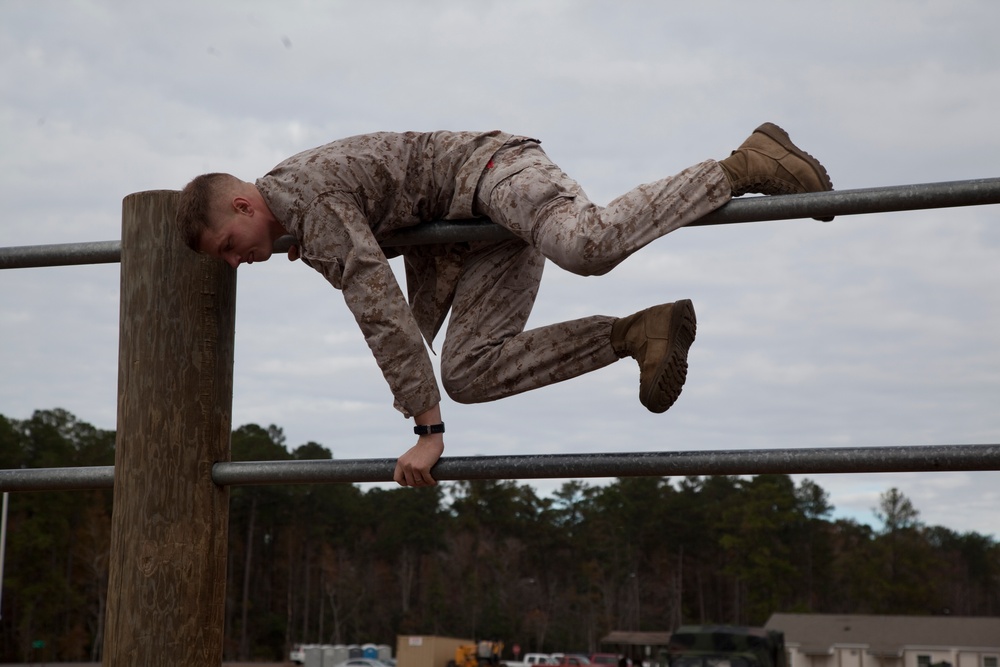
(923, 458)
(639, 464)
(58, 479)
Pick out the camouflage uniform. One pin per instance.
(341, 199)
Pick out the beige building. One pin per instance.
(830, 640)
(427, 650)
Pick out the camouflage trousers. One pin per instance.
(486, 353)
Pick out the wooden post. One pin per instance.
(167, 579)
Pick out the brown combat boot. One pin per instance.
(769, 163)
(659, 339)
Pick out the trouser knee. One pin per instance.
(462, 392)
(575, 236)
(584, 257)
(457, 382)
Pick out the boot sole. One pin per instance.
(671, 373)
(779, 135)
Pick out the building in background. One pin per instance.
(639, 648)
(830, 640)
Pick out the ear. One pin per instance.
(242, 205)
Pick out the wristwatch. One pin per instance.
(427, 429)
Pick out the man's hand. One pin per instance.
(293, 253)
(414, 467)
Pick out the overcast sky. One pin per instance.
(874, 330)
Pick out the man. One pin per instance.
(341, 199)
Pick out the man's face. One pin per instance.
(239, 238)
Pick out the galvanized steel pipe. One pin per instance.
(752, 209)
(57, 479)
(759, 209)
(635, 464)
(61, 254)
(923, 458)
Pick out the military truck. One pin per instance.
(726, 646)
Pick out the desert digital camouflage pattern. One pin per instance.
(341, 199)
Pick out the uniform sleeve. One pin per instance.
(338, 242)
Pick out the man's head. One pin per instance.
(222, 216)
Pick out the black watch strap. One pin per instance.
(427, 429)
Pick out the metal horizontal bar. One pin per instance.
(61, 254)
(759, 209)
(636, 464)
(886, 199)
(923, 458)
(753, 209)
(57, 479)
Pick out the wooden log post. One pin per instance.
(167, 574)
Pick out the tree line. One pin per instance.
(482, 560)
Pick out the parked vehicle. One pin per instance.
(732, 646)
(605, 659)
(570, 660)
(298, 653)
(361, 662)
(531, 660)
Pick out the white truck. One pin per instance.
(531, 660)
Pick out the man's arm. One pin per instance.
(341, 247)
(414, 467)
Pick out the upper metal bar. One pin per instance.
(759, 209)
(923, 458)
(887, 199)
(753, 209)
(61, 254)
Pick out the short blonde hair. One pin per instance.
(201, 202)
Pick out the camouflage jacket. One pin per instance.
(339, 200)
